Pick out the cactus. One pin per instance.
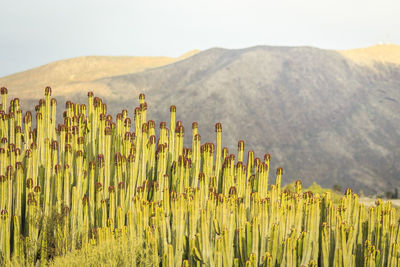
(97, 181)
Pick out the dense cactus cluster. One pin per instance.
(92, 179)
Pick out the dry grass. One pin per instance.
(385, 53)
(111, 253)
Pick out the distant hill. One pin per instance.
(385, 53)
(75, 75)
(327, 116)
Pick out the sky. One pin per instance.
(34, 33)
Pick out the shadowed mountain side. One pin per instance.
(321, 116)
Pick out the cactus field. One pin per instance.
(93, 181)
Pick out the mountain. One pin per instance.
(327, 116)
(72, 76)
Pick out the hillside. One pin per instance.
(322, 116)
(327, 116)
(384, 53)
(75, 75)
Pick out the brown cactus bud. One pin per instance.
(127, 122)
(68, 138)
(279, 170)
(31, 200)
(61, 128)
(348, 191)
(195, 125)
(241, 145)
(57, 168)
(180, 130)
(90, 94)
(79, 154)
(145, 128)
(33, 146)
(151, 124)
(54, 145)
(17, 152)
(117, 159)
(29, 183)
(75, 130)
(308, 194)
(68, 148)
(180, 161)
(201, 176)
(121, 185)
(119, 117)
(218, 127)
(48, 91)
(18, 129)
(4, 214)
(11, 148)
(142, 96)
(66, 210)
(107, 131)
(19, 166)
(127, 136)
(137, 111)
(98, 186)
(81, 140)
(4, 91)
(131, 158)
(68, 104)
(85, 200)
(100, 160)
(172, 108)
(9, 172)
(232, 191)
(111, 189)
(143, 106)
(92, 165)
(152, 139)
(36, 189)
(163, 125)
(140, 189)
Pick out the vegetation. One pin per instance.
(92, 191)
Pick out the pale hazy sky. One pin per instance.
(36, 32)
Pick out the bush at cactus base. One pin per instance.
(100, 187)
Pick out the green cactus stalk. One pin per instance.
(5, 235)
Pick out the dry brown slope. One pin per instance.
(384, 53)
(74, 75)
